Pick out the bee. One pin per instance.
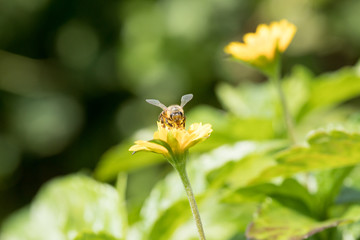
(172, 116)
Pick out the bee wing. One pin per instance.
(185, 99)
(156, 103)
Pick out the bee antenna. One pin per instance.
(185, 99)
(156, 103)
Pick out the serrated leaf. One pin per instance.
(326, 150)
(276, 222)
(66, 207)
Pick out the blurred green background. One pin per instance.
(74, 74)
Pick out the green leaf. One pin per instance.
(334, 88)
(250, 100)
(289, 193)
(165, 209)
(348, 195)
(229, 128)
(304, 93)
(329, 184)
(352, 230)
(119, 159)
(170, 220)
(222, 221)
(66, 207)
(262, 101)
(94, 236)
(245, 162)
(325, 150)
(296, 87)
(353, 180)
(276, 222)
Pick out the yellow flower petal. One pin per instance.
(148, 146)
(161, 133)
(264, 43)
(196, 133)
(179, 140)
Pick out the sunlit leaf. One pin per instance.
(66, 207)
(262, 101)
(304, 92)
(250, 100)
(325, 150)
(289, 193)
(296, 88)
(170, 220)
(228, 128)
(276, 222)
(119, 159)
(352, 230)
(221, 221)
(333, 88)
(329, 184)
(243, 168)
(94, 236)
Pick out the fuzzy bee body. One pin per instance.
(172, 116)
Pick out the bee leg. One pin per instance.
(161, 120)
(168, 124)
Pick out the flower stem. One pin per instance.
(180, 168)
(286, 113)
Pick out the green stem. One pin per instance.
(180, 167)
(286, 113)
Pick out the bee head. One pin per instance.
(175, 112)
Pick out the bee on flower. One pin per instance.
(173, 141)
(172, 116)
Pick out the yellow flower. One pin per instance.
(260, 48)
(172, 142)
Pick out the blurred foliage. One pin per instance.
(67, 208)
(73, 79)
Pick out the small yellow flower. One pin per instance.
(172, 142)
(260, 48)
